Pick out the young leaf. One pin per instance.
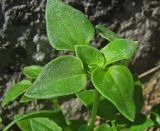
(119, 49)
(44, 124)
(15, 91)
(106, 33)
(32, 72)
(106, 109)
(90, 55)
(62, 76)
(66, 26)
(116, 84)
(26, 99)
(104, 127)
(56, 116)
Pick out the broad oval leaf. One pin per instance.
(62, 76)
(32, 71)
(116, 84)
(119, 49)
(107, 33)
(15, 91)
(56, 116)
(66, 26)
(90, 55)
(104, 127)
(106, 109)
(44, 124)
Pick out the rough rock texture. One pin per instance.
(23, 39)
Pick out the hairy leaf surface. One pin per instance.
(116, 84)
(62, 76)
(119, 49)
(90, 55)
(66, 26)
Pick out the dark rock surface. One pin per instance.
(23, 39)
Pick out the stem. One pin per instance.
(94, 111)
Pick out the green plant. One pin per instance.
(115, 95)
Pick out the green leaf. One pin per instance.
(116, 84)
(106, 109)
(106, 33)
(76, 124)
(141, 123)
(56, 116)
(62, 76)
(138, 96)
(155, 115)
(24, 125)
(104, 127)
(119, 49)
(15, 91)
(66, 26)
(25, 99)
(83, 128)
(0, 120)
(32, 71)
(44, 124)
(90, 55)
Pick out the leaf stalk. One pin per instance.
(94, 111)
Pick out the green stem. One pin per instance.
(94, 111)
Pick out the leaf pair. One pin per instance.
(19, 88)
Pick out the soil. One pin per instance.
(23, 39)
